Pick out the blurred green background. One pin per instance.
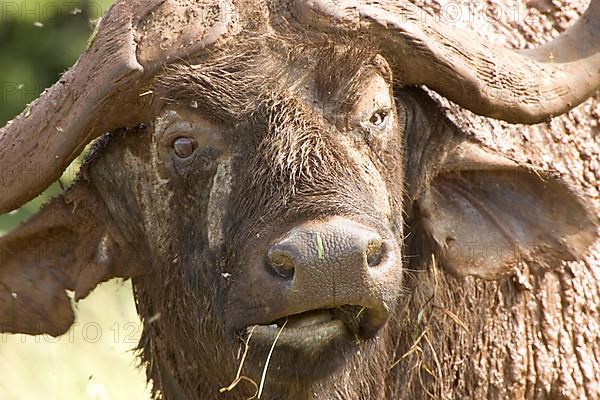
(39, 40)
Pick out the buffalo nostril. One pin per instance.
(375, 252)
(281, 263)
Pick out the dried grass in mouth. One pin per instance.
(264, 374)
(239, 378)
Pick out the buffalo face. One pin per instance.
(285, 207)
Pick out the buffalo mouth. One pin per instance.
(312, 329)
(312, 344)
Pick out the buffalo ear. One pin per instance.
(68, 245)
(481, 213)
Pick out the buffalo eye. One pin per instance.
(378, 118)
(184, 147)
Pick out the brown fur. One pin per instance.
(290, 168)
(285, 111)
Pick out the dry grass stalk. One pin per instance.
(239, 377)
(264, 374)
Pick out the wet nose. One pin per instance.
(331, 264)
(340, 246)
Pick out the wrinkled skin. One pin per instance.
(285, 140)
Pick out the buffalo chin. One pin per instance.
(302, 353)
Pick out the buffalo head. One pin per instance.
(271, 173)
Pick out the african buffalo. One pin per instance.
(350, 199)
